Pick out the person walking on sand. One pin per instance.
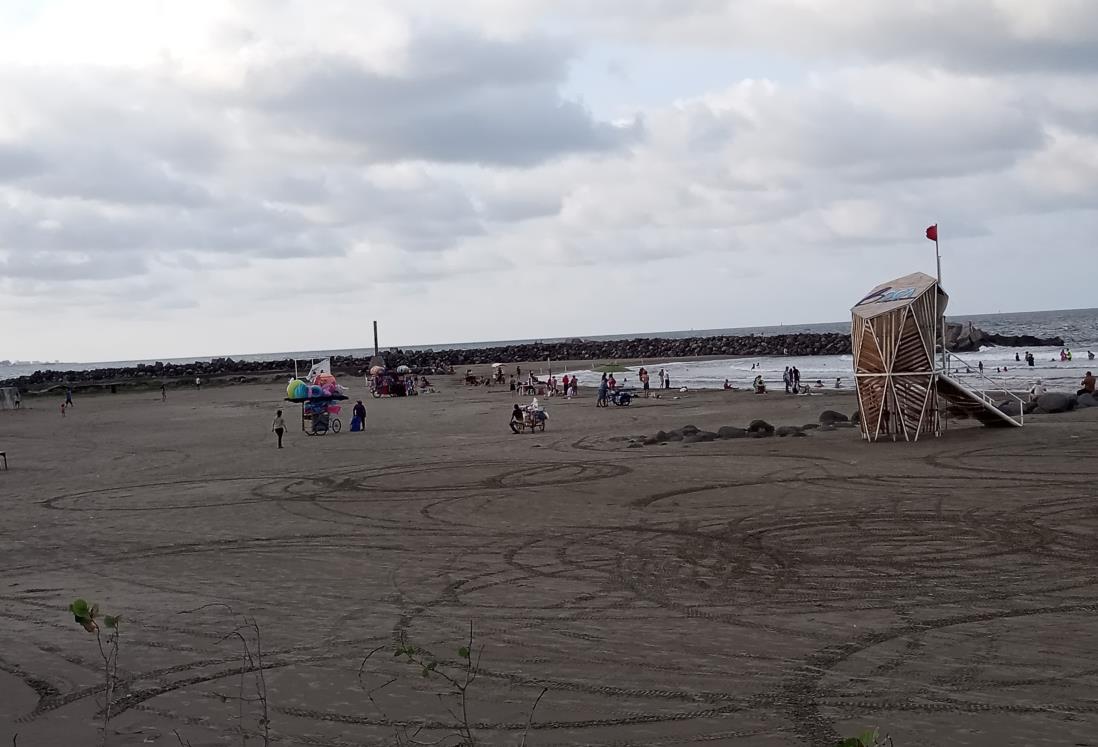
(516, 418)
(279, 427)
(198, 383)
(359, 411)
(68, 396)
(787, 379)
(62, 409)
(980, 366)
(604, 386)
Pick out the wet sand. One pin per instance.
(741, 592)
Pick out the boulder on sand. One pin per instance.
(1056, 402)
(856, 418)
(688, 429)
(1011, 407)
(760, 428)
(661, 436)
(706, 436)
(674, 435)
(830, 416)
(810, 426)
(730, 431)
(1086, 400)
(787, 430)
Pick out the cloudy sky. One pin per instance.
(193, 177)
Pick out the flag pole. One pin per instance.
(941, 320)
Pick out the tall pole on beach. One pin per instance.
(939, 319)
(376, 351)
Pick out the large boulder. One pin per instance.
(661, 436)
(730, 431)
(1011, 407)
(706, 436)
(1056, 402)
(831, 416)
(688, 429)
(787, 430)
(674, 435)
(758, 427)
(856, 418)
(1086, 400)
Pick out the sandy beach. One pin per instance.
(739, 592)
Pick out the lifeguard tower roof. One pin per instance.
(900, 293)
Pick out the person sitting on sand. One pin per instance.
(838, 382)
(727, 384)
(516, 418)
(759, 385)
(1088, 385)
(819, 383)
(1037, 390)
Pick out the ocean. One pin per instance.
(1078, 328)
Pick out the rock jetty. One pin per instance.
(963, 337)
(438, 361)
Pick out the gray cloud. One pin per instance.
(17, 162)
(463, 99)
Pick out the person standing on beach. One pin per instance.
(787, 379)
(604, 386)
(163, 394)
(359, 411)
(68, 396)
(279, 427)
(198, 385)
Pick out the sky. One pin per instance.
(208, 177)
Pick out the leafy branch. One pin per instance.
(87, 615)
(869, 738)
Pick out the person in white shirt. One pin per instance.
(279, 427)
(1036, 391)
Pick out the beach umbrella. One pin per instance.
(377, 369)
(403, 370)
(497, 365)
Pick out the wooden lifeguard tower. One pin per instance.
(901, 366)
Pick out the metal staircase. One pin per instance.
(977, 403)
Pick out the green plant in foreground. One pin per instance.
(869, 738)
(87, 615)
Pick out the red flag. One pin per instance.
(932, 232)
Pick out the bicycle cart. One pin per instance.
(622, 397)
(533, 419)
